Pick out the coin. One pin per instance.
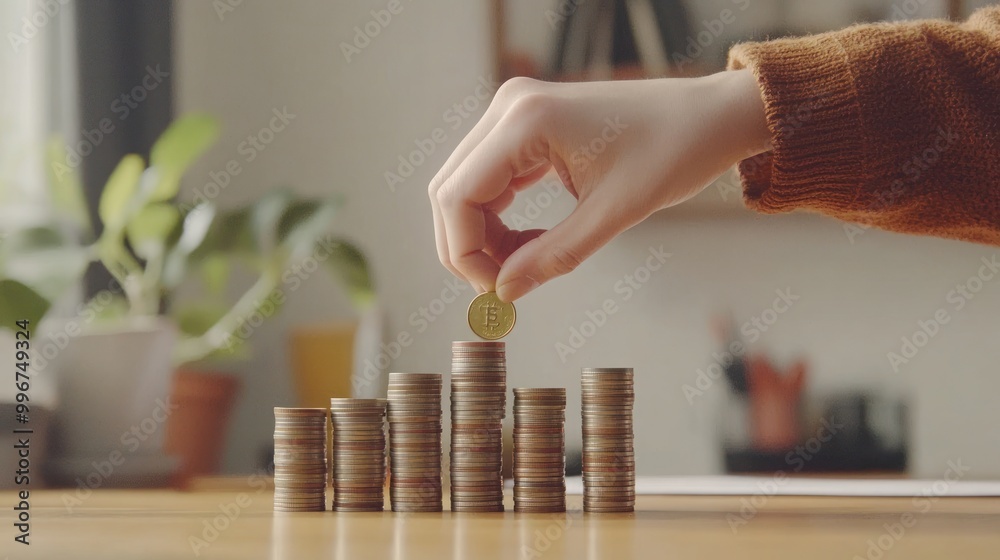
(491, 318)
(478, 405)
(539, 450)
(358, 453)
(607, 399)
(300, 459)
(414, 412)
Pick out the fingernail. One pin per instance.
(516, 287)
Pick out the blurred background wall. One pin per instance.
(355, 115)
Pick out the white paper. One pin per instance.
(787, 486)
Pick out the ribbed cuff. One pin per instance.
(812, 112)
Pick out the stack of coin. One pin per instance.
(478, 402)
(300, 468)
(358, 454)
(608, 452)
(539, 450)
(415, 441)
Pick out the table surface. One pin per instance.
(150, 524)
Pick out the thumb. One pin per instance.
(556, 252)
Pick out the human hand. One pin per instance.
(623, 149)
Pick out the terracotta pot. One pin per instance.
(196, 431)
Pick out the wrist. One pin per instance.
(743, 106)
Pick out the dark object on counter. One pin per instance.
(735, 368)
(736, 374)
(746, 461)
(857, 432)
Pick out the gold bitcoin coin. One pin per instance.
(491, 318)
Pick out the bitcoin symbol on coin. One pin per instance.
(491, 318)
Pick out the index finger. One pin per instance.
(506, 153)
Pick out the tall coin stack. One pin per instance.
(415, 441)
(300, 468)
(478, 404)
(539, 450)
(608, 452)
(358, 454)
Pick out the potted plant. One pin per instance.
(116, 355)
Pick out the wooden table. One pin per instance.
(150, 524)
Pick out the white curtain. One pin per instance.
(36, 97)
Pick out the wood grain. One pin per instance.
(150, 524)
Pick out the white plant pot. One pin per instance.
(113, 403)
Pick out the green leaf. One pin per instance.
(231, 234)
(349, 265)
(194, 319)
(183, 142)
(30, 240)
(215, 272)
(64, 184)
(19, 302)
(304, 223)
(265, 215)
(149, 229)
(197, 224)
(44, 258)
(118, 192)
(116, 308)
(186, 139)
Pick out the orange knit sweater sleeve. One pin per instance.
(894, 125)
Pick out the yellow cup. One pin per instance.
(322, 362)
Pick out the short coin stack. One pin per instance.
(415, 441)
(300, 468)
(478, 403)
(539, 450)
(358, 454)
(608, 452)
